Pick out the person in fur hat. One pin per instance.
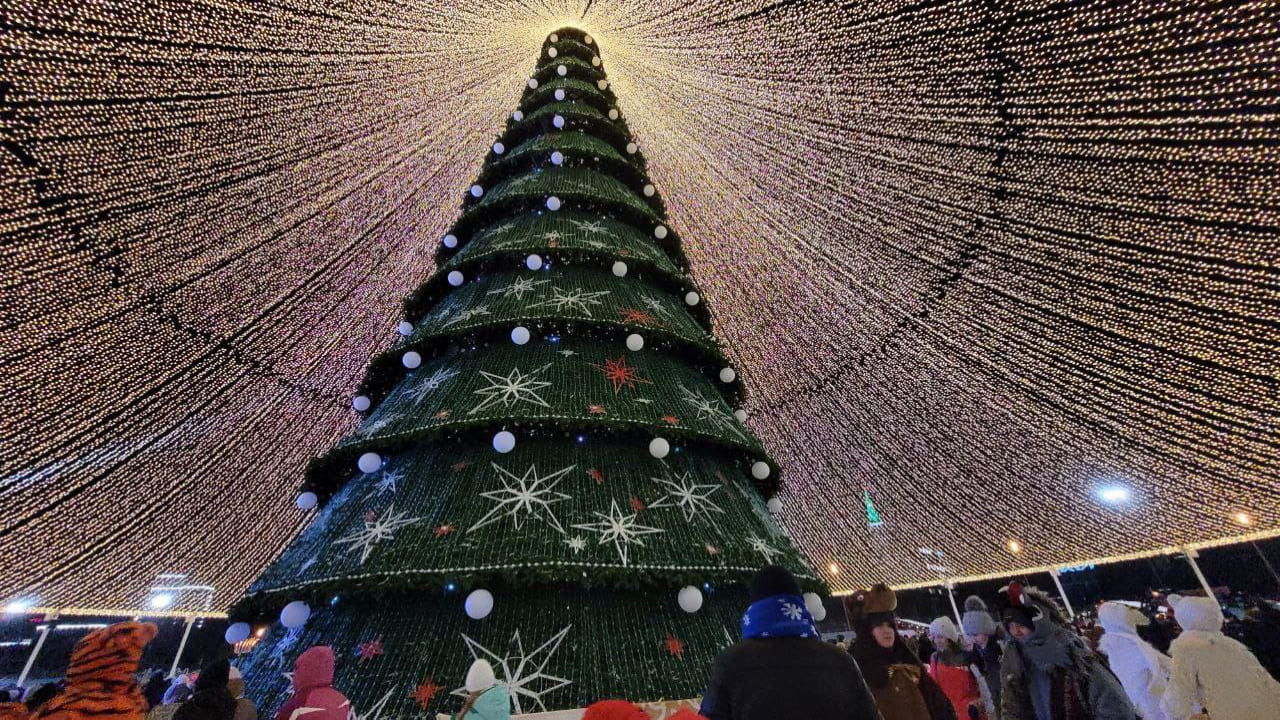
(1143, 670)
(902, 689)
(1048, 673)
(985, 651)
(781, 670)
(949, 667)
(487, 699)
(1213, 672)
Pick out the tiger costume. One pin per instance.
(100, 683)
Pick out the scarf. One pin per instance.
(778, 616)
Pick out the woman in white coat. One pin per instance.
(1213, 672)
(1143, 670)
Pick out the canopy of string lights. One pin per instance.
(1003, 282)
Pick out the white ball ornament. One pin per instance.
(455, 278)
(476, 191)
(774, 505)
(559, 93)
(295, 614)
(405, 328)
(634, 342)
(659, 448)
(595, 61)
(691, 298)
(602, 84)
(520, 335)
(553, 37)
(479, 604)
(561, 70)
(814, 605)
(504, 441)
(369, 462)
(558, 121)
(553, 203)
(411, 360)
(236, 632)
(552, 52)
(517, 115)
(690, 599)
(533, 83)
(533, 262)
(660, 232)
(305, 501)
(499, 148)
(619, 269)
(613, 113)
(557, 158)
(586, 39)
(360, 403)
(632, 148)
(649, 190)
(728, 375)
(760, 470)
(450, 241)
(740, 415)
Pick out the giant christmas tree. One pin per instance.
(556, 428)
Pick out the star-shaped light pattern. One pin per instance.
(766, 550)
(376, 530)
(467, 314)
(691, 498)
(576, 543)
(575, 299)
(515, 387)
(524, 675)
(996, 315)
(423, 388)
(623, 530)
(525, 497)
(426, 692)
(370, 649)
(593, 227)
(519, 287)
(618, 372)
(632, 316)
(375, 711)
(388, 482)
(712, 410)
(673, 645)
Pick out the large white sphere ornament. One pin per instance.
(479, 604)
(552, 52)
(520, 335)
(558, 121)
(740, 415)
(634, 342)
(533, 83)
(295, 614)
(369, 462)
(632, 148)
(517, 115)
(236, 632)
(613, 113)
(595, 61)
(728, 375)
(586, 39)
(774, 505)
(559, 93)
(659, 447)
(476, 191)
(553, 203)
(360, 403)
(504, 442)
(814, 605)
(533, 262)
(411, 360)
(405, 328)
(561, 70)
(557, 158)
(760, 470)
(305, 501)
(649, 190)
(660, 232)
(602, 84)
(455, 278)
(690, 599)
(450, 241)
(553, 37)
(619, 269)
(691, 298)
(499, 148)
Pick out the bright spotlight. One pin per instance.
(160, 601)
(1114, 494)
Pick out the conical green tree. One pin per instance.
(560, 314)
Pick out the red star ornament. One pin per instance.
(443, 414)
(597, 409)
(425, 691)
(621, 374)
(457, 467)
(674, 646)
(637, 317)
(370, 650)
(636, 504)
(671, 419)
(443, 530)
(596, 475)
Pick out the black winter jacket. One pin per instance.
(787, 678)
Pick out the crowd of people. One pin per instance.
(1031, 664)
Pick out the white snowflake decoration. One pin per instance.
(595, 227)
(620, 529)
(575, 299)
(423, 388)
(791, 610)
(380, 423)
(693, 499)
(467, 314)
(576, 543)
(654, 304)
(711, 409)
(375, 531)
(518, 287)
(387, 483)
(524, 675)
(527, 496)
(551, 236)
(516, 387)
(768, 551)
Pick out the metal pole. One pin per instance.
(1265, 561)
(1066, 601)
(173, 671)
(31, 659)
(1195, 567)
(954, 608)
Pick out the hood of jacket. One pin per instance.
(313, 669)
(1120, 619)
(1197, 613)
(109, 656)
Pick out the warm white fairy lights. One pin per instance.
(973, 261)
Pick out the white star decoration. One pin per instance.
(576, 299)
(518, 287)
(691, 498)
(467, 314)
(379, 423)
(515, 387)
(424, 388)
(576, 544)
(375, 531)
(552, 236)
(524, 675)
(764, 548)
(595, 227)
(387, 483)
(373, 713)
(528, 495)
(713, 410)
(654, 304)
(619, 529)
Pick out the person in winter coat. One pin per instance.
(1142, 670)
(179, 692)
(1047, 671)
(1214, 672)
(486, 698)
(902, 689)
(313, 691)
(211, 700)
(245, 709)
(100, 677)
(614, 710)
(985, 651)
(949, 667)
(781, 670)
